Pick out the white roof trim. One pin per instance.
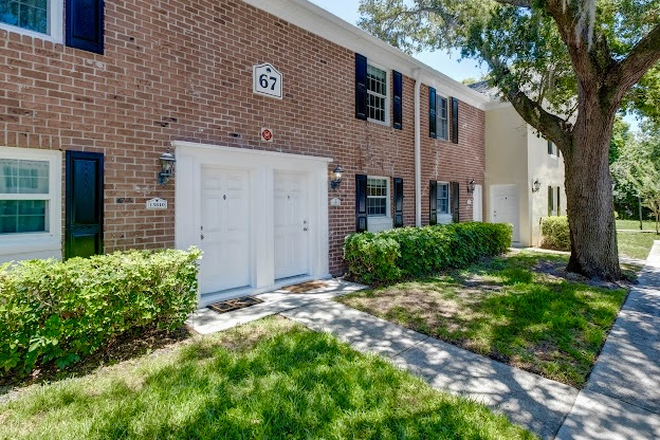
(320, 22)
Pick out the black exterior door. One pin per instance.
(84, 204)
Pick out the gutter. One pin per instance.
(418, 151)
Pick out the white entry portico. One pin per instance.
(260, 217)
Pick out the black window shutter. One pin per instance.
(433, 122)
(84, 25)
(455, 202)
(433, 202)
(361, 202)
(360, 86)
(398, 202)
(558, 201)
(84, 204)
(454, 120)
(398, 103)
(551, 206)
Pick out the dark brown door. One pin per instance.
(84, 204)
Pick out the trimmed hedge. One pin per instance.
(54, 311)
(555, 233)
(396, 254)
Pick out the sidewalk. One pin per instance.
(620, 401)
(622, 397)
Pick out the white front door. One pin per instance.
(225, 230)
(505, 207)
(291, 225)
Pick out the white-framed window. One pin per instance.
(444, 200)
(377, 94)
(554, 200)
(442, 115)
(37, 18)
(553, 151)
(30, 203)
(378, 199)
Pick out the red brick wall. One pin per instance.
(448, 162)
(183, 71)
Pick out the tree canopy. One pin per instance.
(536, 46)
(567, 67)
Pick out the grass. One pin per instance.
(271, 379)
(647, 225)
(636, 244)
(518, 309)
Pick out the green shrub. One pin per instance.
(53, 311)
(372, 258)
(555, 234)
(392, 255)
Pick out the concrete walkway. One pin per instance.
(620, 401)
(622, 397)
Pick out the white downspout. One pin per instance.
(418, 153)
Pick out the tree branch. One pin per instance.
(551, 126)
(517, 3)
(644, 55)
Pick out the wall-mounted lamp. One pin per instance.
(470, 186)
(536, 186)
(167, 161)
(336, 177)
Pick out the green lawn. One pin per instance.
(518, 309)
(636, 244)
(647, 225)
(269, 380)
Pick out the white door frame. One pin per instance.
(261, 166)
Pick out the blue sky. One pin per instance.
(441, 61)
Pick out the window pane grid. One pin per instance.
(23, 176)
(377, 92)
(443, 127)
(376, 197)
(443, 198)
(18, 216)
(27, 14)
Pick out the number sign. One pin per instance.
(267, 81)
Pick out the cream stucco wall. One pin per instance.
(506, 162)
(516, 156)
(549, 170)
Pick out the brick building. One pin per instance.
(258, 100)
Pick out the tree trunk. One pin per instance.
(594, 251)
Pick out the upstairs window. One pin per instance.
(40, 18)
(443, 121)
(377, 94)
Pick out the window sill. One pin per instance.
(444, 219)
(30, 246)
(376, 121)
(377, 224)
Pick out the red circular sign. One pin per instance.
(266, 134)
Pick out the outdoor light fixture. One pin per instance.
(167, 161)
(336, 177)
(471, 186)
(536, 186)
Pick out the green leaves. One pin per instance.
(391, 255)
(61, 311)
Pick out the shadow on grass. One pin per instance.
(293, 384)
(125, 347)
(518, 309)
